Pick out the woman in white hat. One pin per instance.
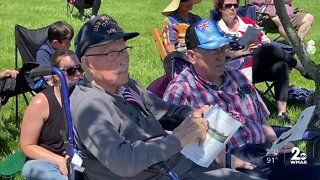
(175, 24)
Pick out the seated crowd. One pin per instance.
(207, 81)
(268, 62)
(118, 124)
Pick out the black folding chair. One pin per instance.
(71, 4)
(27, 43)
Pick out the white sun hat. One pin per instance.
(174, 6)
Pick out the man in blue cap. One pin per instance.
(116, 121)
(209, 82)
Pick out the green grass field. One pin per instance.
(132, 15)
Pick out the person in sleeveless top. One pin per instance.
(43, 120)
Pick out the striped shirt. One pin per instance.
(236, 95)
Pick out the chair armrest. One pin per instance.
(159, 168)
(169, 123)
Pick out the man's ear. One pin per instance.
(85, 62)
(191, 56)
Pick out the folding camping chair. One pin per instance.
(157, 37)
(173, 63)
(27, 43)
(261, 18)
(71, 4)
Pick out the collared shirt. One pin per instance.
(236, 95)
(244, 22)
(168, 32)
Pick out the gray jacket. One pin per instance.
(121, 141)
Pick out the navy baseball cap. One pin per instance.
(205, 34)
(101, 30)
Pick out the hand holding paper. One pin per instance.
(295, 133)
(251, 36)
(193, 128)
(221, 127)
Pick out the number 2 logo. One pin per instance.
(296, 152)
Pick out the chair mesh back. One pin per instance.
(29, 41)
(247, 11)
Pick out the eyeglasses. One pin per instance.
(214, 53)
(228, 6)
(113, 54)
(72, 71)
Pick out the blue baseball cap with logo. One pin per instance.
(205, 34)
(99, 31)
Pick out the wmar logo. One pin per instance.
(296, 159)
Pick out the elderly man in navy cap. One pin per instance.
(117, 122)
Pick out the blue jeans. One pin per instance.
(42, 169)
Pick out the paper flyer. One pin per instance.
(295, 133)
(250, 36)
(221, 128)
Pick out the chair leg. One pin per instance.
(17, 112)
(263, 94)
(269, 89)
(70, 10)
(67, 9)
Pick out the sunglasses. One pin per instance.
(184, 0)
(228, 6)
(72, 71)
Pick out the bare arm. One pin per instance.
(167, 44)
(9, 73)
(270, 133)
(34, 117)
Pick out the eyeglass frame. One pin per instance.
(209, 52)
(107, 54)
(71, 71)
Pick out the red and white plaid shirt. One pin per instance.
(236, 96)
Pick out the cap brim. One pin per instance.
(215, 44)
(125, 36)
